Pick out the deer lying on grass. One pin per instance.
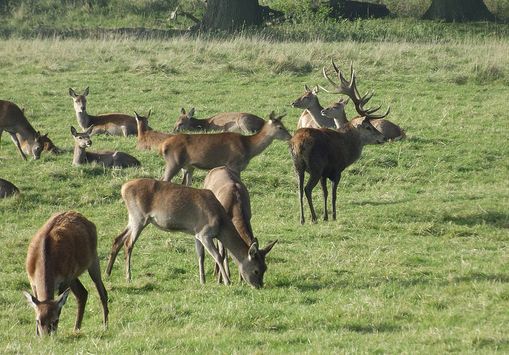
(58, 254)
(148, 139)
(207, 151)
(173, 207)
(109, 159)
(115, 124)
(234, 197)
(386, 127)
(312, 116)
(325, 153)
(24, 136)
(239, 122)
(7, 189)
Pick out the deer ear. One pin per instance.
(190, 114)
(85, 93)
(32, 301)
(89, 130)
(253, 250)
(306, 87)
(182, 111)
(268, 248)
(73, 131)
(136, 115)
(72, 93)
(62, 298)
(149, 112)
(316, 89)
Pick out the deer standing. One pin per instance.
(24, 136)
(231, 192)
(109, 159)
(312, 117)
(58, 254)
(173, 207)
(325, 153)
(115, 124)
(147, 138)
(239, 122)
(207, 151)
(7, 189)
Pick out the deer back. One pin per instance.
(240, 122)
(7, 188)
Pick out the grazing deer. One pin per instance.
(115, 124)
(109, 159)
(312, 116)
(239, 122)
(207, 151)
(24, 136)
(148, 139)
(325, 153)
(173, 207)
(231, 192)
(58, 254)
(7, 189)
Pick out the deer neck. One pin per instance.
(26, 140)
(315, 112)
(44, 278)
(244, 229)
(83, 119)
(80, 155)
(259, 141)
(230, 238)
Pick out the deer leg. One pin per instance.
(95, 274)
(301, 194)
(335, 184)
(187, 179)
(224, 253)
(128, 247)
(313, 180)
(207, 242)
(117, 244)
(16, 142)
(81, 295)
(323, 181)
(200, 251)
(172, 168)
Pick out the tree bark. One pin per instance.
(458, 10)
(231, 14)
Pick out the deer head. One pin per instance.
(254, 267)
(47, 313)
(276, 127)
(184, 121)
(82, 139)
(142, 121)
(80, 101)
(307, 99)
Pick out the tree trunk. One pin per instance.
(458, 10)
(231, 14)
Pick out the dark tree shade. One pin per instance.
(458, 10)
(231, 14)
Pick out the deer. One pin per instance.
(25, 137)
(109, 159)
(326, 153)
(7, 189)
(148, 139)
(312, 117)
(239, 122)
(61, 251)
(115, 124)
(173, 207)
(231, 192)
(207, 151)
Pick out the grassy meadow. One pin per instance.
(417, 261)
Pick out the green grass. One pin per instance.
(416, 262)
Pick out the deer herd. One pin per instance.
(218, 215)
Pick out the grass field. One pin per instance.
(417, 261)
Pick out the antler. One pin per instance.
(349, 88)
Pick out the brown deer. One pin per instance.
(147, 138)
(207, 151)
(312, 117)
(58, 254)
(109, 159)
(231, 192)
(173, 207)
(115, 124)
(7, 189)
(24, 136)
(325, 153)
(239, 122)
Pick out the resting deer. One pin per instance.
(58, 254)
(173, 207)
(115, 124)
(207, 151)
(24, 136)
(239, 122)
(312, 116)
(325, 153)
(231, 192)
(109, 159)
(148, 139)
(7, 189)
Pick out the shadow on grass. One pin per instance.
(372, 328)
(133, 289)
(379, 203)
(492, 218)
(481, 277)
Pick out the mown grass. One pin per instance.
(416, 262)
